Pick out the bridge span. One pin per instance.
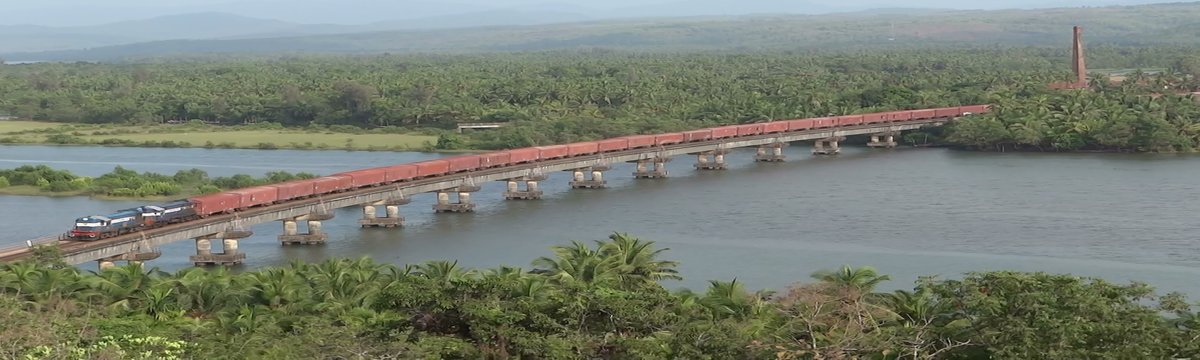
(229, 229)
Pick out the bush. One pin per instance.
(3, 182)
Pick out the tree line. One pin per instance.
(585, 301)
(122, 182)
(556, 97)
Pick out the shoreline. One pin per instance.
(430, 151)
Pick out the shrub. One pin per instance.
(3, 182)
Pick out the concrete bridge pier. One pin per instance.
(291, 235)
(770, 153)
(463, 204)
(657, 172)
(828, 146)
(229, 255)
(391, 216)
(885, 140)
(717, 162)
(579, 179)
(532, 190)
(130, 258)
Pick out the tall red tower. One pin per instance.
(1077, 58)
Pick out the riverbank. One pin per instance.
(124, 184)
(253, 136)
(26, 190)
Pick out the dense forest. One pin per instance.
(586, 301)
(570, 96)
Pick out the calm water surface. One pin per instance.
(908, 212)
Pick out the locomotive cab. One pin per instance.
(151, 214)
(89, 228)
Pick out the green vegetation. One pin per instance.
(584, 302)
(124, 183)
(265, 136)
(545, 98)
(1126, 25)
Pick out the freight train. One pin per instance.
(152, 216)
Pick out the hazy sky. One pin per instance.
(87, 12)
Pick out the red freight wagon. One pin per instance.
(640, 141)
(697, 135)
(945, 112)
(668, 139)
(922, 114)
(256, 196)
(900, 116)
(332, 184)
(432, 168)
(824, 122)
(874, 118)
(724, 132)
(552, 152)
(583, 148)
(463, 163)
(494, 159)
(366, 177)
(775, 127)
(523, 155)
(398, 173)
(802, 124)
(849, 120)
(974, 109)
(210, 204)
(609, 145)
(290, 190)
(750, 129)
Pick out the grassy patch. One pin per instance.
(33, 132)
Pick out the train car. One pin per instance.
(724, 132)
(611, 145)
(365, 177)
(973, 109)
(297, 189)
(899, 116)
(668, 139)
(801, 125)
(176, 212)
(583, 148)
(211, 204)
(523, 155)
(255, 196)
(431, 168)
(824, 122)
(775, 127)
(945, 112)
(923, 114)
(750, 129)
(552, 152)
(398, 173)
(331, 184)
(463, 163)
(874, 118)
(697, 135)
(640, 141)
(105, 226)
(849, 120)
(494, 159)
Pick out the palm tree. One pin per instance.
(637, 260)
(863, 278)
(578, 264)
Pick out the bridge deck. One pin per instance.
(77, 252)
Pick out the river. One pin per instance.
(907, 212)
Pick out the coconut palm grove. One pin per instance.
(606, 299)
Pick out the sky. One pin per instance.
(356, 12)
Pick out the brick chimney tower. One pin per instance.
(1077, 58)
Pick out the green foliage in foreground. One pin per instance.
(584, 302)
(128, 183)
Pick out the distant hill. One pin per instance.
(1143, 24)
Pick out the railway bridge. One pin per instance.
(586, 168)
